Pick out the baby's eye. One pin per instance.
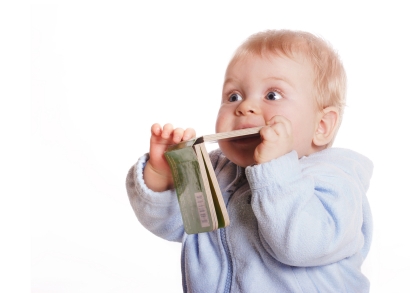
(273, 95)
(235, 98)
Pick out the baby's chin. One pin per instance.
(240, 152)
(243, 162)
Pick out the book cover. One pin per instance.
(200, 198)
(196, 210)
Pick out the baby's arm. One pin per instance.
(157, 174)
(157, 211)
(311, 212)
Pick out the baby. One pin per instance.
(300, 219)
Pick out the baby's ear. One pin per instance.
(326, 129)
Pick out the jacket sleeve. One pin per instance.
(157, 211)
(310, 212)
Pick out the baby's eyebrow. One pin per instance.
(275, 78)
(229, 80)
(280, 79)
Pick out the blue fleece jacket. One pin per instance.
(297, 225)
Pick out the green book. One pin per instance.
(200, 198)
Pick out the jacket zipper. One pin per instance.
(228, 254)
(223, 237)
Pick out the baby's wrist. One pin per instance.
(156, 180)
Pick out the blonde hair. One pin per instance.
(330, 77)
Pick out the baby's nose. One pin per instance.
(247, 107)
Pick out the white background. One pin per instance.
(103, 71)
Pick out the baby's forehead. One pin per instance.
(300, 58)
(297, 56)
(255, 72)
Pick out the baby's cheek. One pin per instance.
(225, 119)
(220, 125)
(224, 146)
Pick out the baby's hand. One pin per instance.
(277, 140)
(157, 174)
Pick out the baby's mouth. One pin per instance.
(248, 140)
(244, 126)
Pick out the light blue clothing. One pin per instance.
(297, 225)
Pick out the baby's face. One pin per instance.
(258, 88)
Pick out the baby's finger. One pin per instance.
(156, 129)
(177, 135)
(278, 119)
(188, 134)
(167, 130)
(280, 129)
(268, 133)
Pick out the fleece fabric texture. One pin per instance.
(297, 225)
